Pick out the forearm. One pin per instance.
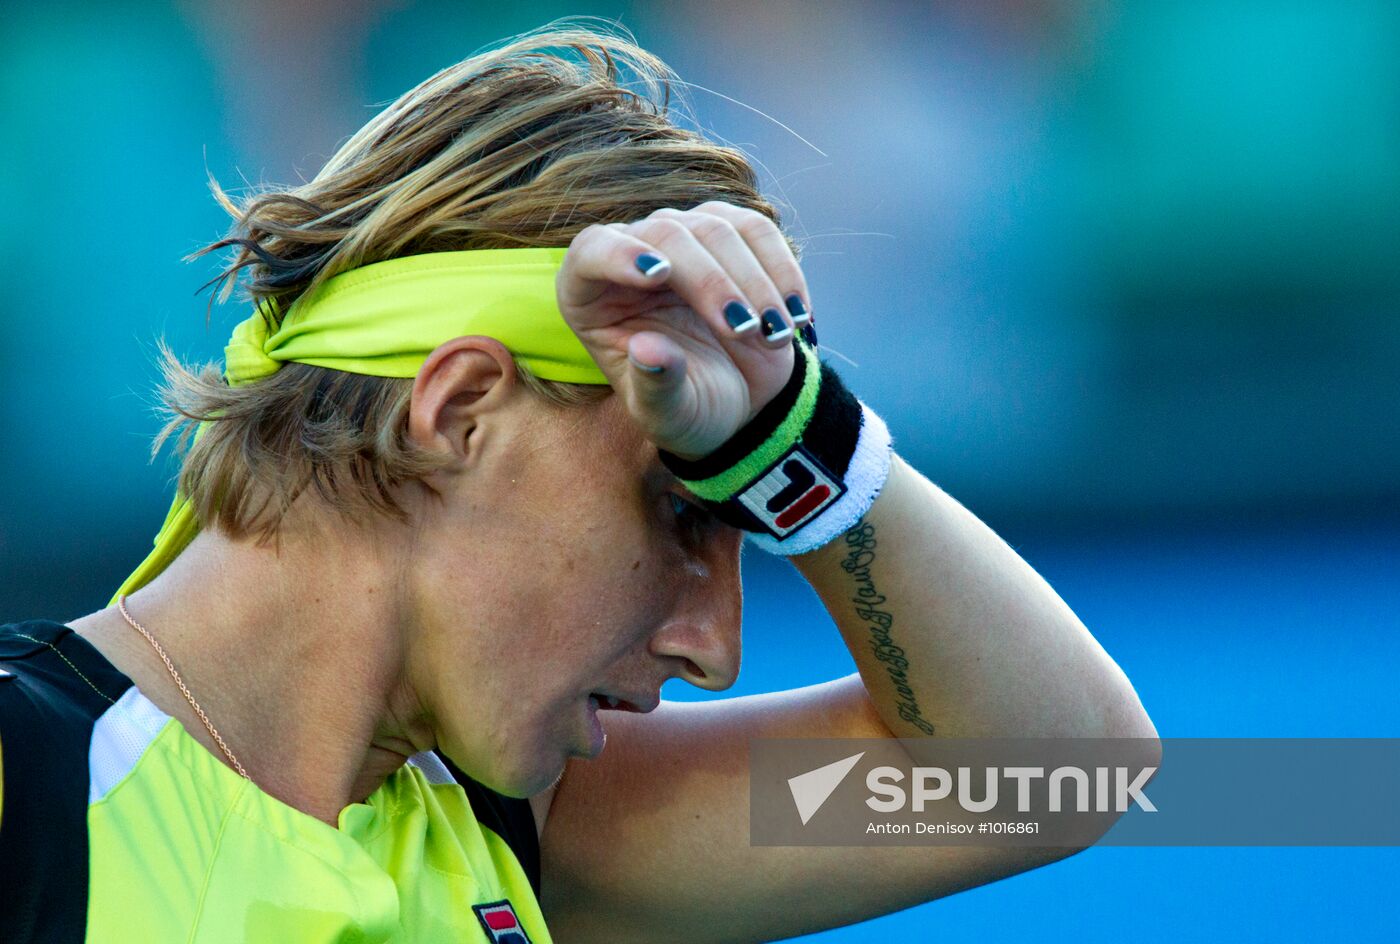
(955, 635)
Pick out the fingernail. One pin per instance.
(809, 334)
(774, 327)
(649, 264)
(740, 317)
(796, 309)
(640, 366)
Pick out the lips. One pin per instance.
(640, 704)
(599, 702)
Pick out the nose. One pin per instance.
(702, 633)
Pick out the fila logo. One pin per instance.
(791, 493)
(500, 922)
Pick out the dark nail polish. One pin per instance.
(796, 308)
(649, 265)
(646, 367)
(809, 334)
(774, 327)
(739, 316)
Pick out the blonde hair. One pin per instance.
(522, 145)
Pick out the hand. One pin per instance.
(688, 376)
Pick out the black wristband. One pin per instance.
(788, 467)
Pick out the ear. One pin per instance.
(461, 383)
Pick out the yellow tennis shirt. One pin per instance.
(118, 826)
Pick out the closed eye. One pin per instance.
(691, 518)
(680, 507)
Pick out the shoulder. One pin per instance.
(53, 687)
(51, 672)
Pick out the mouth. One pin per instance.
(604, 701)
(599, 702)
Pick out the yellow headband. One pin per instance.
(384, 319)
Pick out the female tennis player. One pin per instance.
(525, 364)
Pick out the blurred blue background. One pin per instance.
(1122, 277)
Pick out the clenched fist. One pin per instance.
(690, 314)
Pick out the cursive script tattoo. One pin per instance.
(860, 546)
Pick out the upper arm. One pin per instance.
(650, 841)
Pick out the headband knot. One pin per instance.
(245, 357)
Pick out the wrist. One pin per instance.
(802, 471)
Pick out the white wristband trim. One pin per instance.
(865, 476)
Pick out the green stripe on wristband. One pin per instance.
(722, 487)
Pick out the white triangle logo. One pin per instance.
(812, 789)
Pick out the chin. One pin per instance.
(519, 761)
(520, 776)
(528, 783)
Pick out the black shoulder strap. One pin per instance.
(511, 818)
(53, 686)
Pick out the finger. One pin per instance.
(658, 374)
(706, 287)
(600, 256)
(652, 353)
(723, 242)
(773, 252)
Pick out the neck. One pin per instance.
(295, 651)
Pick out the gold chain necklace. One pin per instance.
(121, 605)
